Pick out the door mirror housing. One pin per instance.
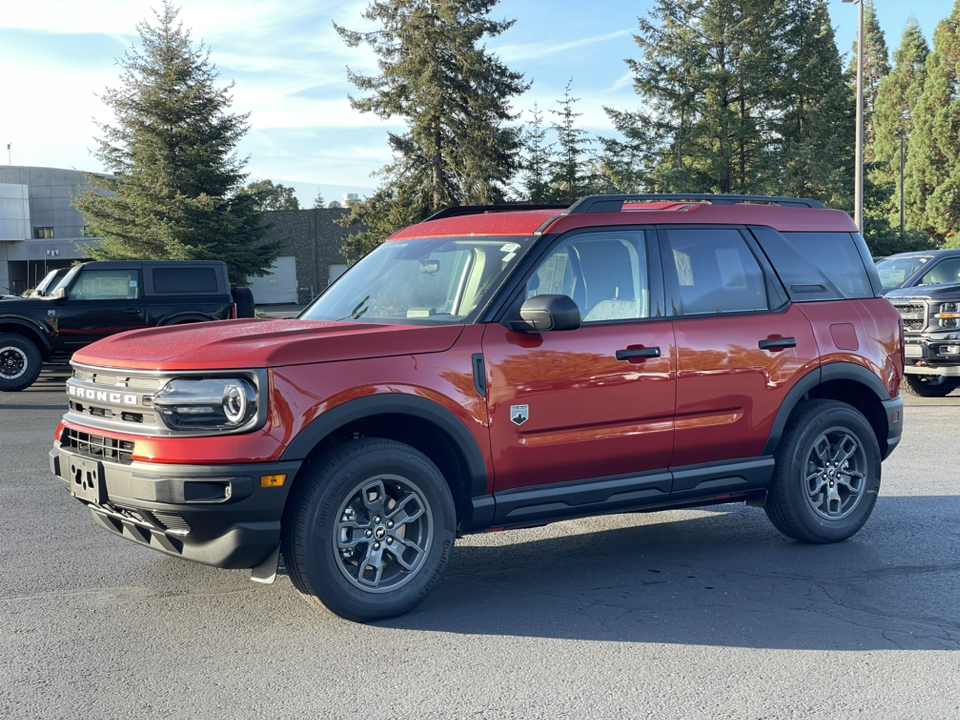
(545, 313)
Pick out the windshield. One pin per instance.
(49, 283)
(433, 281)
(895, 271)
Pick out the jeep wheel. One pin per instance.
(930, 385)
(827, 473)
(19, 363)
(369, 530)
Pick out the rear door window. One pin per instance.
(714, 272)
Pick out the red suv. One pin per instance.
(496, 368)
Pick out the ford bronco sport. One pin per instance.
(498, 368)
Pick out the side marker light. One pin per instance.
(272, 481)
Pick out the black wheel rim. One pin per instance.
(13, 362)
(835, 474)
(383, 534)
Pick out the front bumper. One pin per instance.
(212, 514)
(931, 354)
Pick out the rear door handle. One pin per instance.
(132, 311)
(777, 343)
(641, 353)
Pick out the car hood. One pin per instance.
(235, 344)
(934, 292)
(17, 303)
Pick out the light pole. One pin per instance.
(901, 134)
(858, 181)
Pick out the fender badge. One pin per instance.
(519, 414)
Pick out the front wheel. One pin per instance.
(20, 362)
(368, 532)
(930, 385)
(827, 475)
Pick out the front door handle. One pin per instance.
(775, 342)
(638, 353)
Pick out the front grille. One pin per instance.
(914, 315)
(98, 446)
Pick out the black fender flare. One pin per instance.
(816, 377)
(35, 331)
(182, 318)
(395, 404)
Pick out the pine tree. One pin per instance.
(934, 162)
(318, 201)
(273, 197)
(454, 95)
(536, 160)
(896, 102)
(817, 113)
(568, 168)
(876, 66)
(707, 76)
(176, 192)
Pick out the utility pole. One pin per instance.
(858, 181)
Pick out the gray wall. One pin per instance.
(314, 238)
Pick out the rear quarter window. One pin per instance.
(183, 281)
(818, 265)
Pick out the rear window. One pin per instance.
(182, 281)
(817, 266)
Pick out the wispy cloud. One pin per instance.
(545, 48)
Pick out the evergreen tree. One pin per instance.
(536, 160)
(273, 197)
(706, 75)
(817, 112)
(318, 201)
(176, 192)
(568, 168)
(896, 100)
(933, 165)
(453, 94)
(876, 66)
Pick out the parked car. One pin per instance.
(503, 367)
(913, 269)
(96, 299)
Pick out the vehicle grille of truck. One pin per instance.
(98, 446)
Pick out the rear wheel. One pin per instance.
(931, 385)
(20, 362)
(827, 473)
(369, 531)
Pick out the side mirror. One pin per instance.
(544, 313)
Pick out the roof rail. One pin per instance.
(480, 209)
(615, 203)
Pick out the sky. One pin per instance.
(289, 69)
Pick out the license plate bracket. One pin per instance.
(86, 480)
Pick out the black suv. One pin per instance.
(97, 299)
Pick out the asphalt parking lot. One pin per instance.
(704, 613)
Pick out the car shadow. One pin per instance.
(721, 576)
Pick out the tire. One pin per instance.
(246, 305)
(827, 475)
(20, 362)
(930, 385)
(330, 531)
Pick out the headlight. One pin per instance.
(226, 403)
(949, 315)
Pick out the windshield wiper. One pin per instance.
(357, 313)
